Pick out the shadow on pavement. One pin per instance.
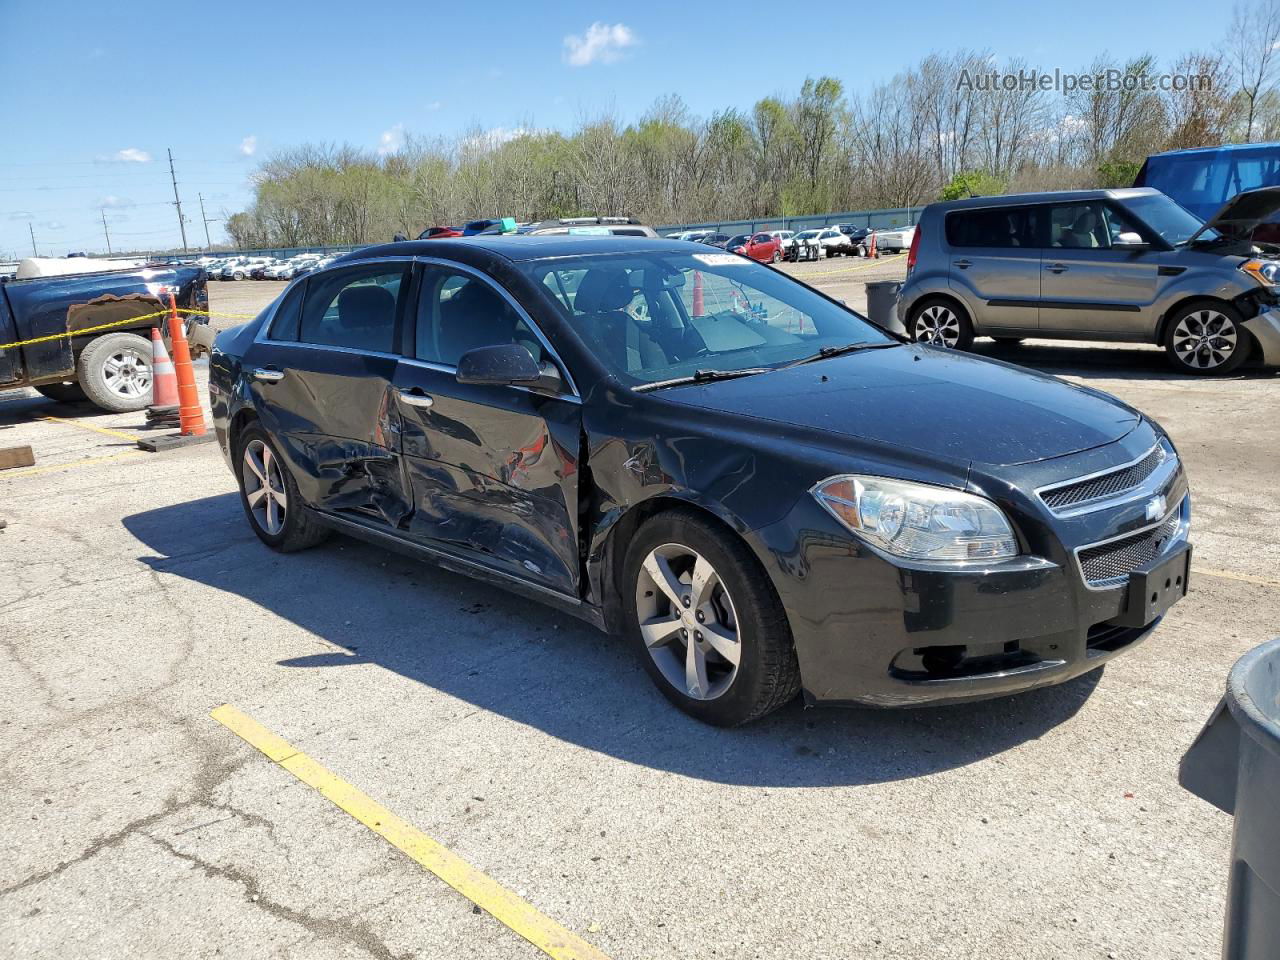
(1110, 361)
(545, 669)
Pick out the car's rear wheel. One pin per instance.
(270, 496)
(1206, 338)
(114, 371)
(941, 322)
(711, 629)
(65, 392)
(777, 255)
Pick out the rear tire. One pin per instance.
(114, 371)
(1206, 338)
(941, 322)
(67, 392)
(734, 602)
(270, 496)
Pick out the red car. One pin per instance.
(757, 246)
(436, 233)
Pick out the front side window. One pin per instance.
(354, 308)
(659, 316)
(1079, 225)
(459, 311)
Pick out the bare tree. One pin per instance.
(1251, 48)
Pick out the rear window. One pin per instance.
(1006, 227)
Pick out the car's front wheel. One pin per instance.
(270, 496)
(942, 323)
(114, 371)
(1206, 338)
(711, 629)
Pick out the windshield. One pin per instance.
(660, 316)
(807, 234)
(739, 240)
(1174, 223)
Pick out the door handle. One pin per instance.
(964, 264)
(414, 397)
(267, 375)
(1056, 268)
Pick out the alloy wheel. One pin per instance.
(127, 372)
(1205, 339)
(264, 488)
(938, 325)
(688, 621)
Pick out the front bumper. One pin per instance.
(1265, 328)
(870, 629)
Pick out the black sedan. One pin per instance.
(766, 493)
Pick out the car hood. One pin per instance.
(942, 403)
(1239, 215)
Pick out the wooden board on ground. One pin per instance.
(16, 457)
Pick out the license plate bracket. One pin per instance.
(1156, 588)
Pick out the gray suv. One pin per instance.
(1124, 265)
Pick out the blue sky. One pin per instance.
(96, 92)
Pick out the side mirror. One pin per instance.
(1129, 241)
(499, 365)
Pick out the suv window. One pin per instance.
(354, 308)
(1089, 225)
(458, 312)
(993, 227)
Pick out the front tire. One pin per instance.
(1206, 338)
(941, 322)
(707, 622)
(270, 496)
(114, 371)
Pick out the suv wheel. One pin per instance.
(270, 496)
(711, 630)
(942, 323)
(1206, 338)
(115, 372)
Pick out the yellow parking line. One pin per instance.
(1243, 577)
(485, 892)
(861, 266)
(106, 432)
(87, 462)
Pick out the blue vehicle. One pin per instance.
(1204, 178)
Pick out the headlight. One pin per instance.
(1266, 272)
(916, 521)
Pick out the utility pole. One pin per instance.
(32, 231)
(208, 244)
(105, 230)
(177, 202)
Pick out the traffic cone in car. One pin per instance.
(698, 308)
(163, 410)
(190, 416)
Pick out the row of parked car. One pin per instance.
(265, 268)
(836, 240)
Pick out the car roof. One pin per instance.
(520, 248)
(1050, 196)
(1271, 145)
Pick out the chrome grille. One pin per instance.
(1109, 564)
(1108, 484)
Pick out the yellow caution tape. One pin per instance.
(128, 321)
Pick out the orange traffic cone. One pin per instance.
(163, 410)
(872, 252)
(698, 308)
(190, 416)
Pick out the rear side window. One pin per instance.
(1002, 228)
(284, 325)
(354, 308)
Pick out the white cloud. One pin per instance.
(20, 215)
(435, 105)
(52, 225)
(495, 137)
(391, 140)
(114, 202)
(249, 145)
(602, 43)
(127, 155)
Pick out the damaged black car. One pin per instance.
(766, 493)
